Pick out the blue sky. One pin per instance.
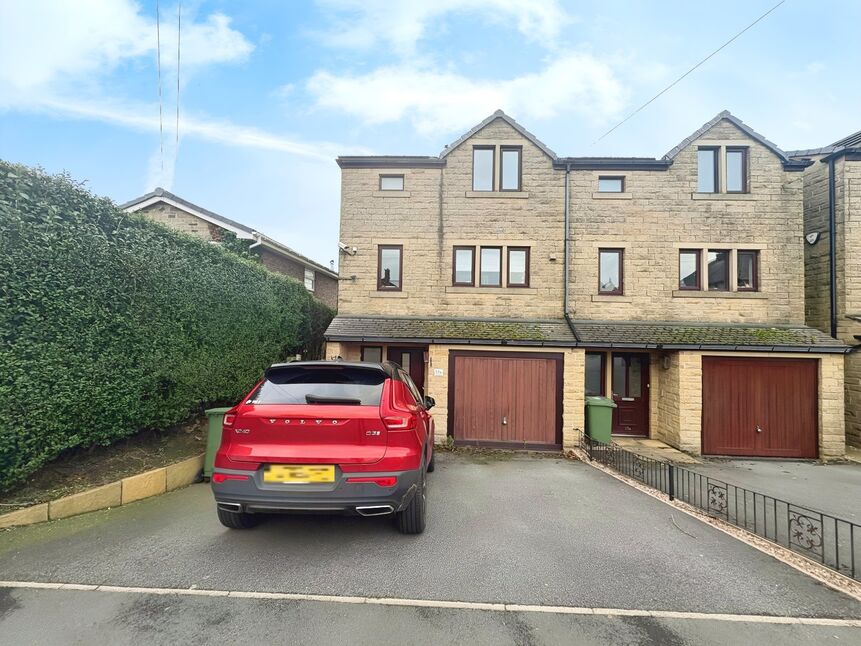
(272, 91)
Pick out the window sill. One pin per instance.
(505, 195)
(722, 196)
(390, 194)
(392, 294)
(612, 196)
(611, 298)
(694, 293)
(492, 291)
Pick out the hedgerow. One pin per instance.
(110, 323)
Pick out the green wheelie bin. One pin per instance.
(599, 418)
(213, 438)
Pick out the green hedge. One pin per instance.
(110, 323)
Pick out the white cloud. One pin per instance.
(435, 101)
(400, 25)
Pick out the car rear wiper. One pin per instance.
(317, 399)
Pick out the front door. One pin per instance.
(631, 394)
(412, 360)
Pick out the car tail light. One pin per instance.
(222, 477)
(398, 413)
(386, 481)
(229, 419)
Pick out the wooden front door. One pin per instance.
(505, 399)
(760, 407)
(630, 383)
(412, 360)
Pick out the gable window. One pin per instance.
(391, 182)
(510, 168)
(718, 270)
(611, 184)
(372, 353)
(595, 373)
(707, 170)
(463, 269)
(748, 271)
(689, 269)
(389, 267)
(736, 170)
(490, 269)
(610, 271)
(309, 279)
(482, 167)
(518, 266)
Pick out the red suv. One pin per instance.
(330, 437)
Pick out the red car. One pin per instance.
(327, 437)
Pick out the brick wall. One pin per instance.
(325, 287)
(180, 220)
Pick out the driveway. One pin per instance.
(517, 530)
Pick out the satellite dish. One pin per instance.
(812, 238)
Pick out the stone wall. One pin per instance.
(325, 287)
(180, 220)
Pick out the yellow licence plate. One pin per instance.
(299, 473)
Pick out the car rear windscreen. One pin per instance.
(334, 385)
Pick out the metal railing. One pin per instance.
(833, 542)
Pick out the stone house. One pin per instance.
(511, 283)
(171, 210)
(832, 207)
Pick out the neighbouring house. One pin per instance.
(512, 283)
(171, 210)
(832, 207)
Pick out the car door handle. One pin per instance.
(758, 429)
(504, 420)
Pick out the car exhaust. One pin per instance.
(375, 510)
(230, 506)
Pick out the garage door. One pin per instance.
(760, 407)
(505, 398)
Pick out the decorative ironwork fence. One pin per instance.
(833, 542)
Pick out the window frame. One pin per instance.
(481, 249)
(620, 252)
(508, 282)
(699, 265)
(454, 251)
(621, 179)
(492, 188)
(313, 279)
(386, 288)
(754, 253)
(716, 155)
(728, 253)
(502, 151)
(745, 188)
(366, 347)
(603, 391)
(389, 176)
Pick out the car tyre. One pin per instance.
(432, 463)
(237, 519)
(412, 519)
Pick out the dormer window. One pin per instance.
(510, 167)
(483, 158)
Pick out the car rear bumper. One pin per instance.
(341, 497)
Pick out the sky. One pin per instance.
(270, 92)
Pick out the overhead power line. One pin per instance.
(666, 89)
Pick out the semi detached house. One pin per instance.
(513, 283)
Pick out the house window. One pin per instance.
(748, 271)
(611, 184)
(707, 170)
(736, 170)
(463, 266)
(718, 270)
(689, 269)
(518, 266)
(309, 279)
(490, 270)
(482, 168)
(510, 168)
(595, 374)
(391, 182)
(610, 271)
(372, 353)
(389, 267)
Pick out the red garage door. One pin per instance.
(505, 399)
(760, 407)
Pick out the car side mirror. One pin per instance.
(430, 402)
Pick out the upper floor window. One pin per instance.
(610, 271)
(611, 184)
(518, 266)
(510, 168)
(736, 170)
(689, 269)
(463, 266)
(718, 270)
(708, 178)
(747, 275)
(490, 269)
(389, 267)
(309, 279)
(482, 168)
(391, 182)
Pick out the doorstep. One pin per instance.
(654, 449)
